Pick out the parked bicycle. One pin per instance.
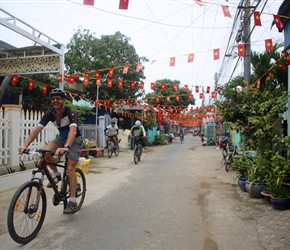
(230, 157)
(112, 148)
(27, 208)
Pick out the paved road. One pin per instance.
(177, 197)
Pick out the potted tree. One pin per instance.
(85, 148)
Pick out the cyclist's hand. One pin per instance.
(61, 151)
(21, 149)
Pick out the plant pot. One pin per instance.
(255, 189)
(280, 203)
(242, 183)
(84, 152)
(266, 196)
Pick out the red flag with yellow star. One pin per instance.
(123, 5)
(31, 85)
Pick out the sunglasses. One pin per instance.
(56, 98)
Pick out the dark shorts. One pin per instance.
(75, 149)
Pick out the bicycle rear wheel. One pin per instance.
(110, 149)
(139, 152)
(228, 162)
(136, 155)
(26, 212)
(81, 189)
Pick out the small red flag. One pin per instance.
(97, 74)
(282, 66)
(177, 98)
(89, 2)
(186, 88)
(199, 3)
(190, 97)
(157, 99)
(196, 89)
(44, 90)
(163, 86)
(207, 90)
(110, 81)
(71, 80)
(216, 54)
(212, 95)
(123, 5)
(110, 72)
(175, 87)
(278, 22)
(270, 74)
(31, 84)
(241, 49)
(60, 78)
(152, 85)
(168, 98)
(268, 44)
(190, 58)
(125, 70)
(138, 67)
(132, 85)
(98, 81)
(141, 85)
(219, 91)
(120, 84)
(226, 11)
(172, 61)
(287, 58)
(257, 20)
(146, 100)
(200, 95)
(14, 80)
(259, 83)
(86, 81)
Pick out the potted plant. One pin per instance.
(85, 148)
(279, 197)
(241, 166)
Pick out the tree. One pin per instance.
(86, 53)
(169, 92)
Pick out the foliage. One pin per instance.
(149, 119)
(85, 144)
(10, 170)
(22, 166)
(82, 111)
(241, 165)
(277, 191)
(160, 139)
(257, 169)
(86, 53)
(169, 91)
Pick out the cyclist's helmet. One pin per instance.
(58, 92)
(137, 123)
(114, 120)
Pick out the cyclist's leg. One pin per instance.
(53, 145)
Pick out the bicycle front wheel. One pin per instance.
(136, 155)
(26, 212)
(139, 152)
(228, 162)
(110, 150)
(81, 189)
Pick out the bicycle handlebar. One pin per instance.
(41, 151)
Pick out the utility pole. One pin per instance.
(247, 41)
(215, 111)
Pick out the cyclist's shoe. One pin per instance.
(106, 147)
(56, 179)
(70, 208)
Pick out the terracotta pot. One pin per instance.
(266, 196)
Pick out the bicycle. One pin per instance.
(230, 157)
(138, 150)
(181, 138)
(111, 147)
(27, 208)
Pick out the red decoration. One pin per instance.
(110, 83)
(44, 90)
(110, 72)
(14, 80)
(270, 74)
(172, 61)
(168, 98)
(89, 2)
(141, 85)
(278, 22)
(138, 67)
(132, 85)
(226, 11)
(241, 49)
(190, 58)
(200, 95)
(207, 90)
(163, 87)
(123, 5)
(120, 84)
(86, 81)
(268, 44)
(31, 85)
(257, 20)
(60, 78)
(97, 74)
(177, 98)
(71, 79)
(175, 87)
(190, 97)
(152, 85)
(212, 95)
(282, 66)
(287, 58)
(199, 3)
(157, 99)
(196, 89)
(259, 83)
(98, 81)
(216, 54)
(125, 70)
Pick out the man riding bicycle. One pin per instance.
(69, 140)
(181, 134)
(138, 131)
(112, 132)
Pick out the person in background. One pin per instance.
(181, 133)
(112, 131)
(138, 131)
(68, 141)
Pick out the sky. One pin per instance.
(158, 29)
